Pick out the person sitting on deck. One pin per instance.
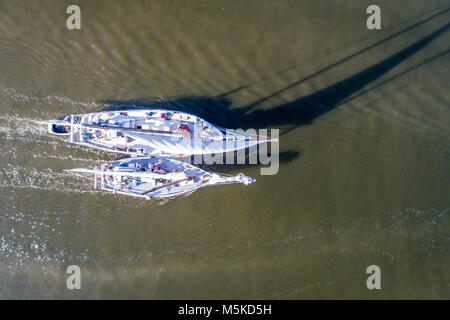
(160, 168)
(163, 168)
(184, 129)
(206, 130)
(166, 115)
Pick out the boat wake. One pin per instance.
(20, 177)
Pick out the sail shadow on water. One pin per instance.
(299, 112)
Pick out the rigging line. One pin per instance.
(80, 175)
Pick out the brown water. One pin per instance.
(364, 174)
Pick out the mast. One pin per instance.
(161, 132)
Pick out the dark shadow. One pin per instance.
(298, 112)
(306, 109)
(218, 110)
(384, 82)
(363, 92)
(335, 64)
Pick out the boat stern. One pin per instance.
(59, 127)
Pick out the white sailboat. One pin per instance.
(156, 177)
(152, 133)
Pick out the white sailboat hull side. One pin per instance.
(157, 177)
(151, 133)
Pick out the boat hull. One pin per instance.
(157, 177)
(151, 133)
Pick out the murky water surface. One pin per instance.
(364, 149)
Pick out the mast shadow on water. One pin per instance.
(302, 111)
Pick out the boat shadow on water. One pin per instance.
(303, 111)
